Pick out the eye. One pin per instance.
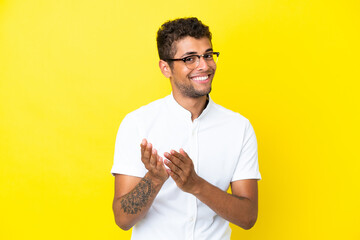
(189, 59)
(208, 55)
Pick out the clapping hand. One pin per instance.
(153, 162)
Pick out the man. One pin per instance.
(174, 185)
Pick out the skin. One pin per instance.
(181, 78)
(134, 196)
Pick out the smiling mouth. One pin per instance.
(200, 78)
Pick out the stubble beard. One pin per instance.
(191, 92)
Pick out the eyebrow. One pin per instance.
(192, 53)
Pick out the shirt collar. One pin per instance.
(184, 113)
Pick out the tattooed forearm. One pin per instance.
(134, 201)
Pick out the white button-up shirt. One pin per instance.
(222, 146)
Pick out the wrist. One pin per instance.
(198, 186)
(156, 181)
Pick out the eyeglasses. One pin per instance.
(193, 61)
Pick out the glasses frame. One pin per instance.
(195, 55)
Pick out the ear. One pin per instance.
(165, 68)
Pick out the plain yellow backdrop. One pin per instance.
(71, 70)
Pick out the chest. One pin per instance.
(214, 150)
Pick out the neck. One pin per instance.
(193, 105)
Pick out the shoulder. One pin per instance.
(221, 113)
(148, 109)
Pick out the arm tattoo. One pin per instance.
(134, 201)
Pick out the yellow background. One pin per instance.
(71, 70)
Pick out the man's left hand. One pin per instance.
(181, 169)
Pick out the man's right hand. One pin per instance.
(133, 195)
(153, 162)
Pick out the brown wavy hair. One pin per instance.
(175, 30)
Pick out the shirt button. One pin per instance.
(191, 219)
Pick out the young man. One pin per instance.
(173, 186)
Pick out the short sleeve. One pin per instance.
(247, 166)
(127, 156)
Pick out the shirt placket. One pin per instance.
(194, 153)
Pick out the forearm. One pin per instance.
(238, 210)
(132, 207)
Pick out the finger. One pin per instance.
(143, 146)
(176, 161)
(179, 156)
(160, 164)
(182, 152)
(173, 167)
(153, 158)
(148, 150)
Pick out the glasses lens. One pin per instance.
(191, 62)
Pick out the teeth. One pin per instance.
(200, 78)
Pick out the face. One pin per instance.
(192, 83)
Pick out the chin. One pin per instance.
(198, 94)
